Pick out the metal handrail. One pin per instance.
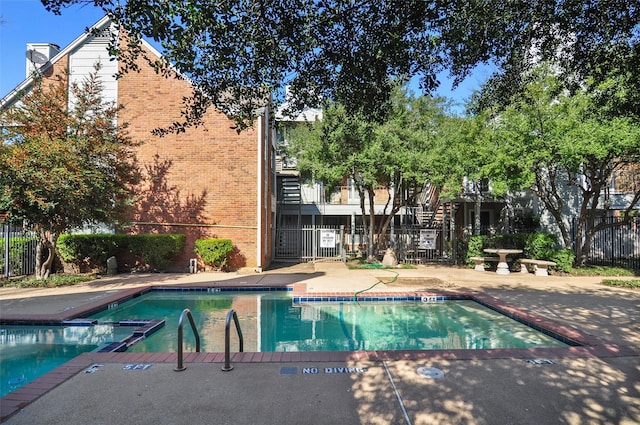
(227, 360)
(186, 312)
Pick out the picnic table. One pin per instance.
(503, 267)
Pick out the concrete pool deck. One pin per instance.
(284, 388)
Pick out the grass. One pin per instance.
(602, 271)
(633, 283)
(53, 281)
(360, 265)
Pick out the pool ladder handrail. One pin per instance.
(185, 312)
(227, 355)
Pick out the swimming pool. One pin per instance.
(28, 352)
(272, 321)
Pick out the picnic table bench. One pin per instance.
(479, 262)
(540, 267)
(503, 253)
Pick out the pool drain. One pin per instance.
(430, 372)
(16, 381)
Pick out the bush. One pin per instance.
(214, 251)
(513, 241)
(563, 259)
(90, 251)
(540, 245)
(156, 251)
(147, 251)
(474, 248)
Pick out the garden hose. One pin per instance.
(375, 266)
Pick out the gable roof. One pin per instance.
(103, 23)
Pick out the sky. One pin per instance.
(27, 21)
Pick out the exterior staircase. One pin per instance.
(290, 191)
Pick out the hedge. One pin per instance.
(152, 252)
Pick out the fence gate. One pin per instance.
(18, 255)
(310, 243)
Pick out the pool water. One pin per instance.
(270, 321)
(28, 352)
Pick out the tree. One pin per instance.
(64, 163)
(551, 140)
(238, 53)
(588, 41)
(461, 156)
(394, 156)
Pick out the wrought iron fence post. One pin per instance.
(6, 249)
(343, 253)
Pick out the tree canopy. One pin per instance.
(556, 143)
(397, 156)
(64, 166)
(238, 53)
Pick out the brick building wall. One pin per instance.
(203, 182)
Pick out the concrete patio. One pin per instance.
(579, 387)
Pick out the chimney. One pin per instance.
(39, 54)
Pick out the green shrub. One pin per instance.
(540, 245)
(474, 248)
(214, 251)
(156, 251)
(147, 251)
(563, 259)
(536, 245)
(90, 249)
(511, 241)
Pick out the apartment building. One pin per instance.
(208, 181)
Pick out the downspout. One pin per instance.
(259, 184)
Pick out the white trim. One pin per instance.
(62, 53)
(259, 195)
(65, 51)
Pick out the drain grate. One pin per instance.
(430, 372)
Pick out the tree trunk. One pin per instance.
(372, 225)
(365, 226)
(477, 207)
(387, 217)
(548, 193)
(45, 253)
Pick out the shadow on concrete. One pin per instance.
(566, 391)
(613, 315)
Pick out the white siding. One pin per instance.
(83, 59)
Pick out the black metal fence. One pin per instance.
(615, 246)
(18, 251)
(312, 243)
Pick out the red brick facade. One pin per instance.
(204, 182)
(209, 181)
